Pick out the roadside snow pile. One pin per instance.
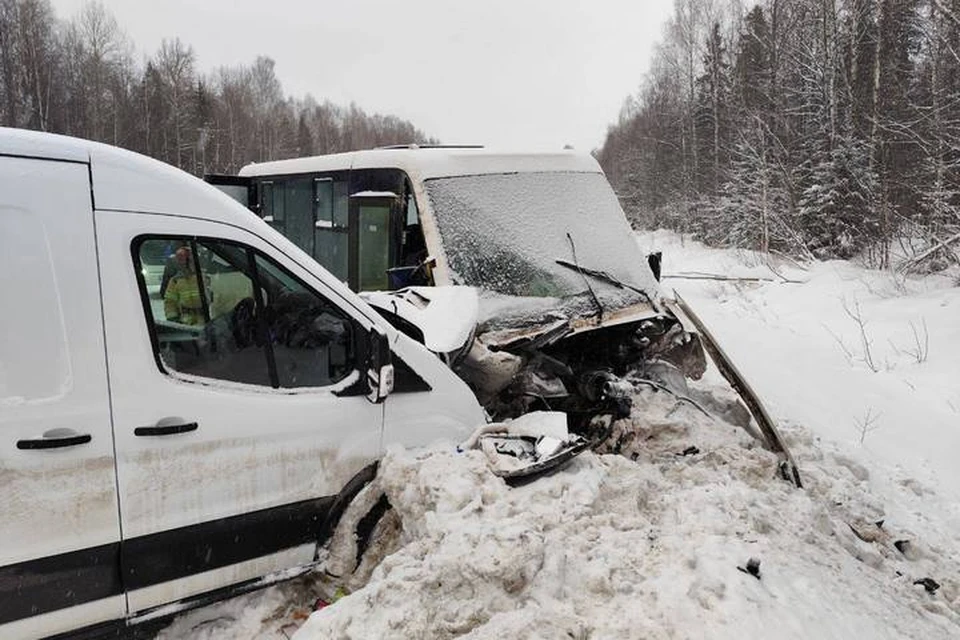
(651, 537)
(614, 547)
(810, 360)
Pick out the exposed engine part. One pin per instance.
(488, 372)
(536, 383)
(598, 385)
(665, 374)
(683, 350)
(583, 374)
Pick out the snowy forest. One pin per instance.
(826, 128)
(82, 77)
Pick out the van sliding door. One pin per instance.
(60, 529)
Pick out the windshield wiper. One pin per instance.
(583, 274)
(603, 276)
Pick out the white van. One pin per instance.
(569, 307)
(184, 394)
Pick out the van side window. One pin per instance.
(311, 339)
(224, 311)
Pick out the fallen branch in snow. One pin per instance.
(939, 245)
(793, 261)
(929, 584)
(693, 275)
(752, 568)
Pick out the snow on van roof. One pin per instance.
(425, 163)
(34, 144)
(128, 181)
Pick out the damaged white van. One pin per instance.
(187, 399)
(569, 306)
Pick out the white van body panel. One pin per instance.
(127, 181)
(52, 376)
(256, 450)
(33, 144)
(447, 316)
(426, 163)
(454, 411)
(177, 592)
(64, 620)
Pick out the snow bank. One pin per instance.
(642, 541)
(806, 358)
(646, 543)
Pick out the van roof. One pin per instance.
(128, 181)
(424, 163)
(35, 144)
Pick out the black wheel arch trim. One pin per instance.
(350, 491)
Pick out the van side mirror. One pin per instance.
(379, 366)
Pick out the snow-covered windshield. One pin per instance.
(505, 233)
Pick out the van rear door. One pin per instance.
(59, 523)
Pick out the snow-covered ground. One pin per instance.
(649, 543)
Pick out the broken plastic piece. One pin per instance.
(753, 568)
(527, 447)
(929, 584)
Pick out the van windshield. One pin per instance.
(505, 233)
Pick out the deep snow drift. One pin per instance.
(647, 542)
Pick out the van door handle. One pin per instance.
(162, 429)
(55, 439)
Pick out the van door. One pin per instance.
(373, 240)
(59, 526)
(238, 406)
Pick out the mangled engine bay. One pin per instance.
(585, 365)
(566, 316)
(581, 356)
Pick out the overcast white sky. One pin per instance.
(517, 73)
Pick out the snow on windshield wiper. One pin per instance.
(603, 276)
(576, 266)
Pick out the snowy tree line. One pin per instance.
(81, 77)
(826, 128)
